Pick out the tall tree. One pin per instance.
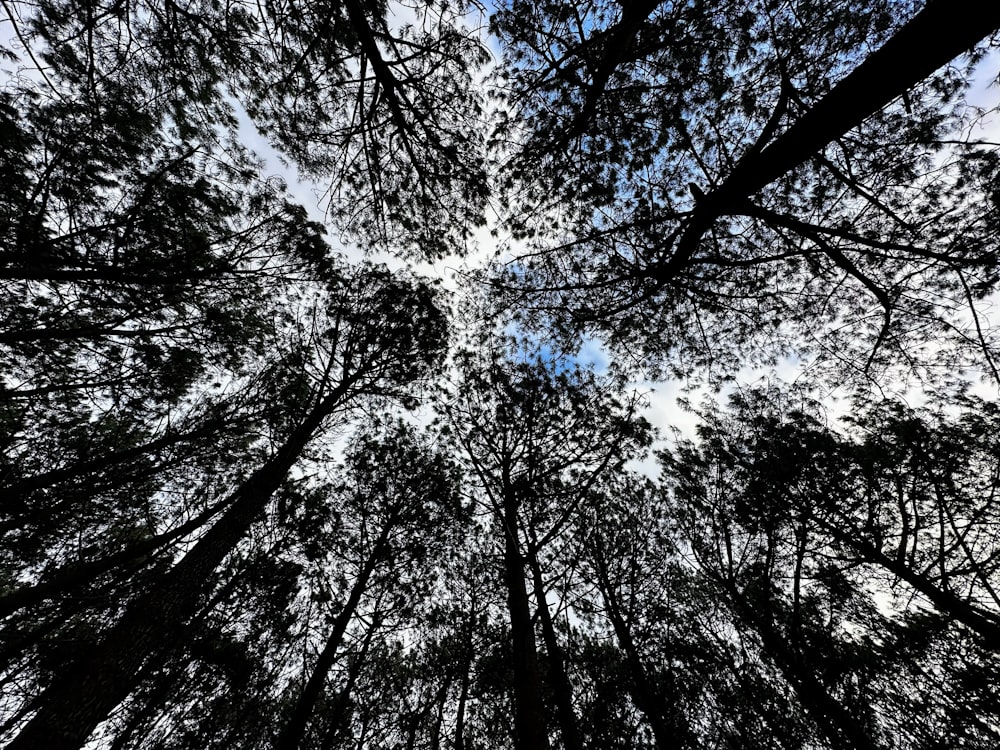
(383, 110)
(375, 339)
(398, 505)
(194, 555)
(176, 335)
(641, 590)
(535, 433)
(782, 513)
(712, 171)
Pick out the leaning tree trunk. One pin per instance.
(932, 38)
(294, 732)
(834, 720)
(981, 622)
(89, 689)
(561, 688)
(640, 685)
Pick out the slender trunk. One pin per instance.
(294, 732)
(152, 703)
(529, 716)
(463, 697)
(933, 37)
(463, 693)
(561, 688)
(90, 688)
(840, 727)
(412, 725)
(166, 683)
(985, 624)
(338, 715)
(640, 686)
(442, 701)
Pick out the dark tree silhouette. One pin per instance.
(225, 521)
(535, 434)
(702, 176)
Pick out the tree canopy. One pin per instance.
(260, 488)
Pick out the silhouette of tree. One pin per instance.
(225, 521)
(808, 536)
(535, 433)
(711, 184)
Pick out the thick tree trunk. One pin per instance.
(89, 689)
(529, 716)
(294, 732)
(933, 38)
(561, 688)
(74, 575)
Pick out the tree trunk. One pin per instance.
(985, 624)
(836, 722)
(561, 688)
(293, 733)
(463, 694)
(935, 36)
(463, 697)
(151, 704)
(89, 689)
(641, 688)
(73, 575)
(338, 715)
(441, 699)
(529, 717)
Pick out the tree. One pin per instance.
(398, 504)
(535, 433)
(221, 525)
(912, 497)
(354, 358)
(628, 559)
(713, 170)
(781, 512)
(384, 112)
(176, 333)
(757, 567)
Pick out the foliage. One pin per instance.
(253, 495)
(703, 182)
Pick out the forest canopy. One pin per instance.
(269, 478)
